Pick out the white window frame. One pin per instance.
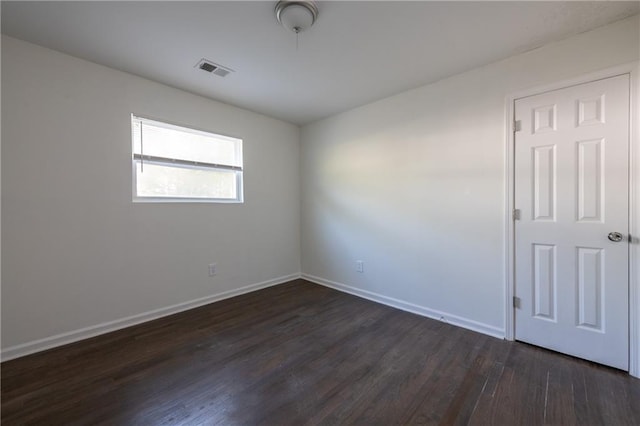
(187, 164)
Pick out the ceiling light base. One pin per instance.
(296, 15)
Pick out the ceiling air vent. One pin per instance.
(213, 68)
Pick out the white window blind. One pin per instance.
(174, 163)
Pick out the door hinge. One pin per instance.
(516, 214)
(516, 302)
(517, 125)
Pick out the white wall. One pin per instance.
(414, 185)
(0, 186)
(76, 251)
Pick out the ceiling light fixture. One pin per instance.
(296, 16)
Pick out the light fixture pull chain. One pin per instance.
(297, 34)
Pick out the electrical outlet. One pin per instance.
(212, 269)
(359, 266)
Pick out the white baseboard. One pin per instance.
(34, 346)
(410, 307)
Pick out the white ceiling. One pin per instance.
(357, 52)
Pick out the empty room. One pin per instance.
(320, 212)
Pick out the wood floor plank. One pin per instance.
(302, 354)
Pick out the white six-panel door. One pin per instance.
(571, 190)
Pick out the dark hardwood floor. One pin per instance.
(300, 354)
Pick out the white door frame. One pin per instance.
(633, 70)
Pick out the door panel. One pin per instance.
(544, 181)
(544, 281)
(571, 187)
(590, 289)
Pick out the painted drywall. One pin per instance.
(77, 252)
(0, 188)
(414, 185)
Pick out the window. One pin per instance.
(173, 163)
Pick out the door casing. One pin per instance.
(632, 69)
